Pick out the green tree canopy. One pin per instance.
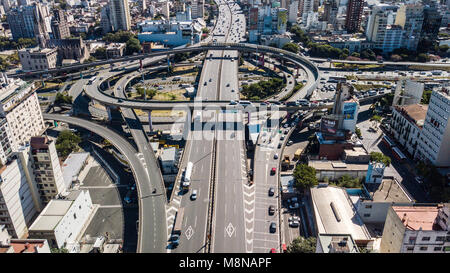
(61, 98)
(291, 47)
(67, 142)
(380, 157)
(132, 46)
(302, 245)
(305, 177)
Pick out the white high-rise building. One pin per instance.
(19, 200)
(120, 14)
(410, 18)
(293, 12)
(20, 115)
(308, 7)
(434, 142)
(198, 8)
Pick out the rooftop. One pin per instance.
(168, 154)
(348, 220)
(418, 217)
(326, 165)
(416, 113)
(72, 167)
(51, 215)
(337, 243)
(388, 191)
(27, 246)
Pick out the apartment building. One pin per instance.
(381, 29)
(19, 202)
(406, 125)
(293, 12)
(19, 106)
(59, 25)
(354, 15)
(434, 142)
(38, 59)
(47, 169)
(198, 8)
(410, 18)
(416, 229)
(116, 16)
(28, 22)
(9, 245)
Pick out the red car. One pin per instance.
(273, 250)
(273, 171)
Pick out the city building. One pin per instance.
(115, 50)
(334, 213)
(38, 59)
(333, 170)
(408, 92)
(410, 18)
(73, 168)
(28, 22)
(434, 142)
(354, 15)
(293, 12)
(20, 115)
(59, 25)
(198, 8)
(170, 33)
(115, 16)
(336, 243)
(416, 229)
(47, 170)
(9, 245)
(432, 19)
(69, 49)
(19, 200)
(406, 125)
(62, 221)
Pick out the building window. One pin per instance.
(437, 248)
(425, 238)
(410, 248)
(440, 238)
(367, 215)
(368, 206)
(423, 248)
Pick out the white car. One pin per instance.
(275, 156)
(194, 195)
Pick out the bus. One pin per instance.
(298, 153)
(398, 154)
(187, 176)
(177, 227)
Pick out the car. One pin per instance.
(194, 195)
(232, 90)
(290, 143)
(205, 83)
(275, 156)
(294, 206)
(279, 145)
(285, 125)
(271, 210)
(294, 223)
(273, 250)
(273, 171)
(294, 218)
(120, 100)
(210, 79)
(228, 84)
(281, 138)
(233, 102)
(271, 191)
(273, 227)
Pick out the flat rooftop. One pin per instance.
(51, 215)
(326, 165)
(415, 217)
(414, 112)
(327, 222)
(72, 166)
(388, 191)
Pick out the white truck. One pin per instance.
(186, 181)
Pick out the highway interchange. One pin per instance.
(230, 214)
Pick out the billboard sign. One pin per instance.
(328, 126)
(349, 111)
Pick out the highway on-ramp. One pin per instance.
(152, 230)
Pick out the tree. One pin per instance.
(358, 132)
(59, 250)
(305, 177)
(61, 98)
(376, 118)
(67, 142)
(100, 53)
(132, 46)
(302, 245)
(291, 47)
(426, 96)
(379, 157)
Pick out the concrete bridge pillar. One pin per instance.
(150, 124)
(108, 109)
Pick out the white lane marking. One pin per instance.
(230, 229)
(189, 232)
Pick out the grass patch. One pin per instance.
(365, 87)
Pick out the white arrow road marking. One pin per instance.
(249, 210)
(249, 202)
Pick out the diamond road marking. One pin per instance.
(189, 232)
(230, 229)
